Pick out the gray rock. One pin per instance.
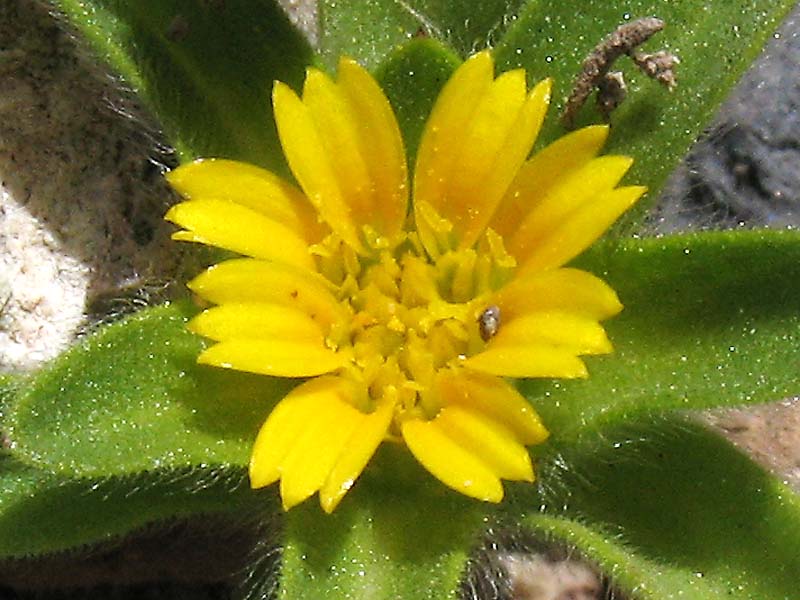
(746, 170)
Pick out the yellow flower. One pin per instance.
(405, 320)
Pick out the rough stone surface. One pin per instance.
(81, 198)
(770, 433)
(533, 577)
(746, 171)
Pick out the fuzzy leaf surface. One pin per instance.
(131, 398)
(710, 319)
(42, 513)
(412, 78)
(669, 510)
(664, 507)
(398, 534)
(715, 40)
(205, 69)
(369, 30)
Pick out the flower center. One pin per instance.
(412, 316)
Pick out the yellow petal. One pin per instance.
(235, 281)
(250, 186)
(310, 163)
(528, 361)
(581, 229)
(486, 154)
(495, 398)
(381, 147)
(480, 436)
(547, 168)
(308, 463)
(579, 189)
(510, 157)
(568, 290)
(335, 122)
(256, 321)
(240, 229)
(280, 358)
(449, 462)
(576, 333)
(285, 423)
(438, 146)
(358, 451)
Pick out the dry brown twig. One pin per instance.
(611, 89)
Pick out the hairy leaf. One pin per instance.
(412, 77)
(665, 509)
(670, 510)
(710, 320)
(398, 534)
(371, 29)
(715, 40)
(204, 68)
(41, 513)
(131, 399)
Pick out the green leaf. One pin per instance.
(131, 398)
(370, 30)
(412, 78)
(710, 320)
(398, 534)
(666, 508)
(8, 387)
(670, 510)
(716, 40)
(42, 513)
(204, 68)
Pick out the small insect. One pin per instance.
(489, 322)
